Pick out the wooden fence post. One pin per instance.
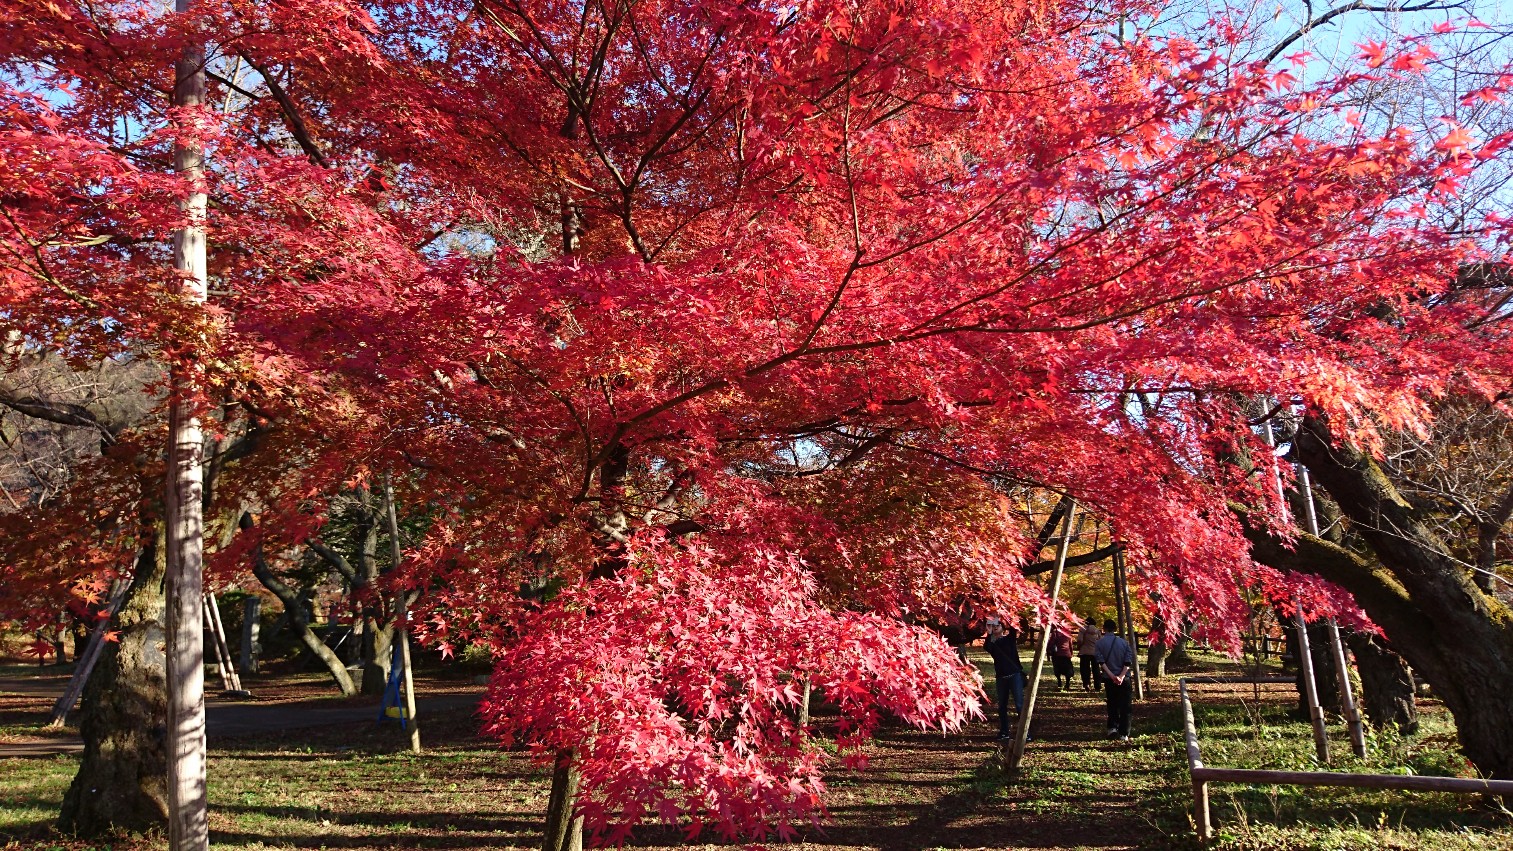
(1202, 819)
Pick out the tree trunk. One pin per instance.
(1326, 670)
(294, 610)
(121, 781)
(252, 608)
(377, 629)
(1456, 637)
(1289, 657)
(188, 815)
(564, 831)
(378, 656)
(1155, 660)
(1387, 686)
(1179, 654)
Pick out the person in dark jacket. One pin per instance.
(1003, 645)
(1117, 662)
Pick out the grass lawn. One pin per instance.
(353, 787)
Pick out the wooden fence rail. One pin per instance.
(1203, 775)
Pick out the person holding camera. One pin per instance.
(1002, 644)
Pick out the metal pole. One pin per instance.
(1022, 733)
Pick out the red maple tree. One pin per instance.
(712, 322)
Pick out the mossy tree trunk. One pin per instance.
(122, 782)
(1455, 636)
(1388, 691)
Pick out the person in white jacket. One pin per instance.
(1087, 641)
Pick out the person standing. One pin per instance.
(1087, 644)
(1003, 645)
(1061, 657)
(1116, 660)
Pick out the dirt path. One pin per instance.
(1076, 790)
(224, 718)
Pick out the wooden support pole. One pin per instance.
(804, 704)
(1118, 594)
(1347, 693)
(396, 553)
(409, 680)
(1276, 475)
(1311, 688)
(1127, 614)
(223, 649)
(1022, 732)
(1305, 489)
(86, 665)
(215, 644)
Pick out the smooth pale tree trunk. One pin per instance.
(377, 630)
(252, 608)
(121, 783)
(188, 817)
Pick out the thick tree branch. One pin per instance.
(290, 110)
(62, 413)
(1093, 557)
